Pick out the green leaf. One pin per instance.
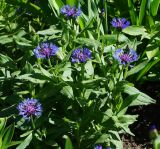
(137, 68)
(127, 103)
(134, 30)
(142, 98)
(68, 144)
(67, 71)
(13, 143)
(107, 115)
(2, 125)
(56, 5)
(49, 31)
(4, 59)
(8, 111)
(5, 39)
(132, 12)
(127, 119)
(102, 139)
(36, 78)
(154, 7)
(113, 38)
(150, 64)
(28, 68)
(67, 91)
(8, 136)
(156, 143)
(115, 139)
(45, 73)
(88, 42)
(83, 26)
(152, 51)
(71, 2)
(142, 11)
(89, 68)
(25, 143)
(87, 93)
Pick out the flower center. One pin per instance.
(82, 57)
(119, 24)
(125, 57)
(71, 11)
(30, 109)
(46, 52)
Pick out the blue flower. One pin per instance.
(120, 23)
(80, 55)
(103, 11)
(98, 147)
(125, 57)
(153, 127)
(45, 50)
(29, 107)
(70, 12)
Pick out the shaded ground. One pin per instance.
(148, 115)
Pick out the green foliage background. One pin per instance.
(83, 104)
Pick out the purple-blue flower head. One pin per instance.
(29, 107)
(120, 23)
(125, 57)
(45, 50)
(80, 55)
(70, 12)
(153, 127)
(98, 147)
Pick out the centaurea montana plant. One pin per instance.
(30, 108)
(98, 147)
(120, 23)
(82, 93)
(45, 50)
(125, 57)
(70, 11)
(80, 55)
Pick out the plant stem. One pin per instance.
(49, 62)
(125, 72)
(117, 41)
(106, 19)
(32, 122)
(82, 72)
(121, 71)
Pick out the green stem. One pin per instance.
(98, 28)
(117, 41)
(77, 137)
(125, 72)
(5, 72)
(106, 18)
(39, 61)
(49, 62)
(121, 71)
(82, 72)
(32, 122)
(51, 67)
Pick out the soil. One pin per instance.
(148, 116)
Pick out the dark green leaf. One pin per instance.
(154, 6)
(68, 144)
(25, 143)
(7, 137)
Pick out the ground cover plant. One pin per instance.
(69, 70)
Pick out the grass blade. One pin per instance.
(131, 11)
(142, 11)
